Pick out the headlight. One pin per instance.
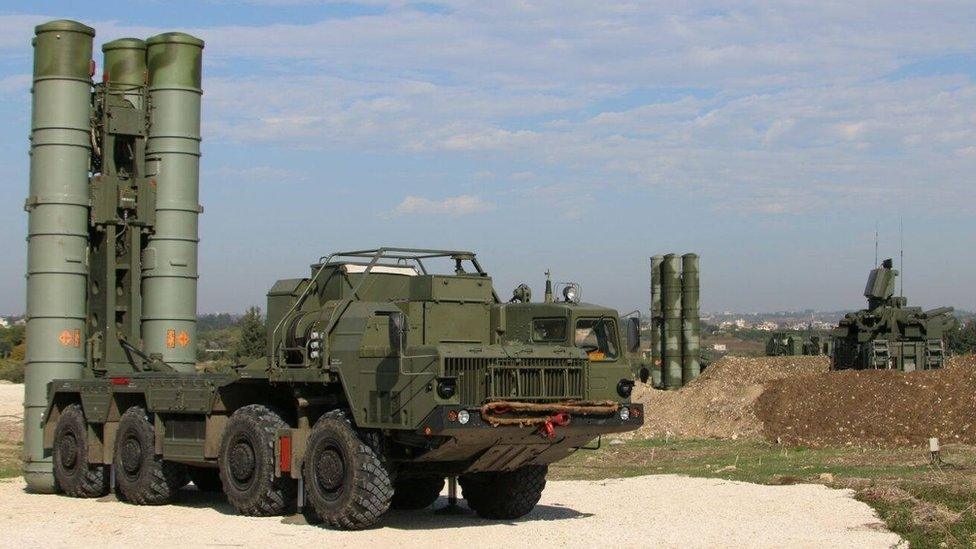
(624, 413)
(463, 417)
(446, 388)
(571, 293)
(625, 387)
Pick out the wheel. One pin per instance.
(416, 493)
(346, 480)
(206, 479)
(141, 476)
(247, 463)
(504, 495)
(73, 474)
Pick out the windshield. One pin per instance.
(598, 337)
(549, 330)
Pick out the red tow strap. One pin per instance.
(548, 427)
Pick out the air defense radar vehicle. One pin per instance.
(889, 334)
(382, 378)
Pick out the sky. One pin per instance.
(579, 137)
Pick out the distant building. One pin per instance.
(4, 323)
(767, 326)
(720, 347)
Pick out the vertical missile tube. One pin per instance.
(173, 161)
(690, 321)
(656, 313)
(671, 309)
(57, 237)
(125, 67)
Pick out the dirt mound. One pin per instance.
(720, 403)
(872, 408)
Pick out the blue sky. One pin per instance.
(566, 136)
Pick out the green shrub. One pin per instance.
(12, 370)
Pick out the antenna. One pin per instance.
(875, 244)
(901, 253)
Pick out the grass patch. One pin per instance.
(928, 505)
(9, 460)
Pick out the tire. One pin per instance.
(346, 479)
(141, 476)
(247, 463)
(504, 495)
(416, 493)
(73, 474)
(206, 479)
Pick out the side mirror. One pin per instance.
(633, 334)
(398, 327)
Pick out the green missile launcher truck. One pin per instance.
(382, 379)
(387, 371)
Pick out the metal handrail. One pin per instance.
(416, 255)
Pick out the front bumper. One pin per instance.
(443, 422)
(477, 446)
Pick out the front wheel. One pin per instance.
(504, 495)
(346, 481)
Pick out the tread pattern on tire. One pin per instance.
(372, 487)
(159, 480)
(504, 495)
(92, 481)
(416, 493)
(270, 495)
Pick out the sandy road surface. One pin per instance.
(659, 511)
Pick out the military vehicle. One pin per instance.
(675, 322)
(889, 334)
(795, 344)
(383, 377)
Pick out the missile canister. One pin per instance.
(690, 321)
(57, 238)
(125, 67)
(656, 311)
(671, 309)
(173, 161)
(122, 205)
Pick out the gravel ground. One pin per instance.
(662, 510)
(659, 511)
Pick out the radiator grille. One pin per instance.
(534, 379)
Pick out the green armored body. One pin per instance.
(387, 371)
(889, 334)
(795, 344)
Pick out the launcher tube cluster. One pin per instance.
(112, 213)
(675, 321)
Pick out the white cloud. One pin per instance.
(454, 206)
(733, 104)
